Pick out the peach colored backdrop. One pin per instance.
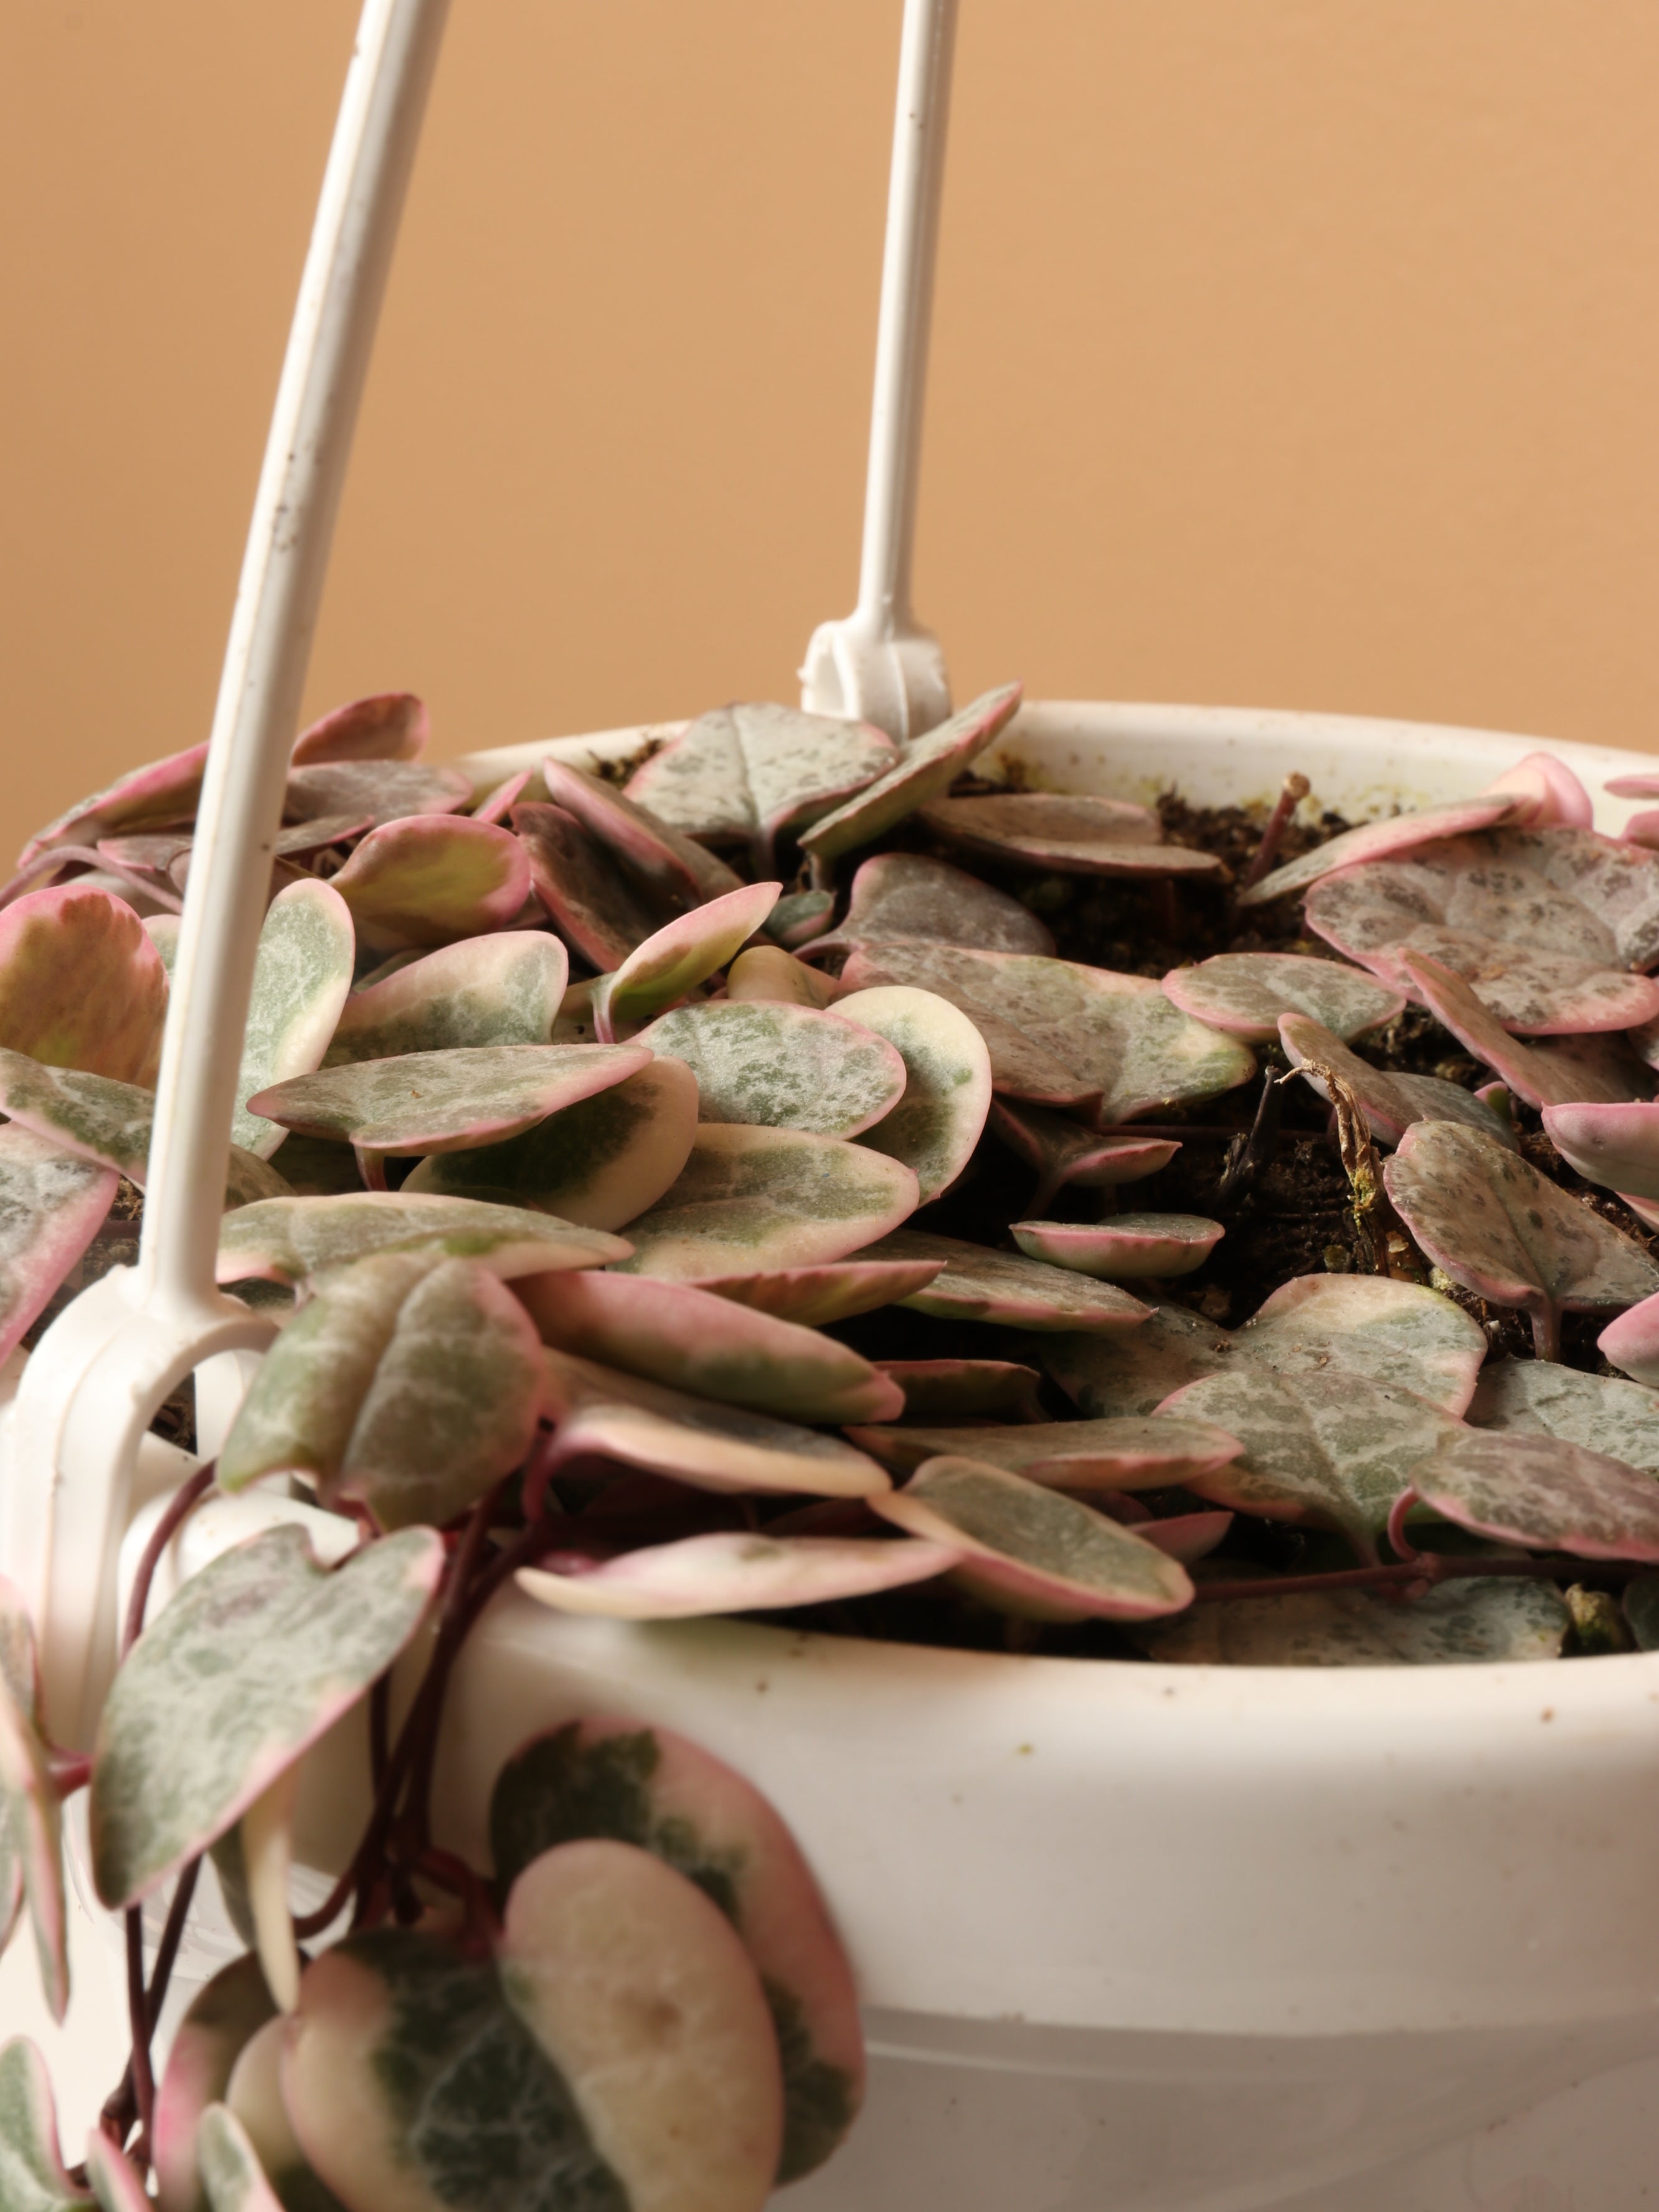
(1287, 353)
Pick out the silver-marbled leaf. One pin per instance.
(503, 989)
(766, 1063)
(301, 974)
(52, 1204)
(293, 1240)
(1537, 1397)
(1063, 1152)
(1478, 1621)
(926, 770)
(938, 1121)
(900, 894)
(1245, 993)
(977, 1284)
(33, 2176)
(677, 957)
(1151, 1452)
(388, 791)
(1543, 1491)
(1557, 1072)
(1066, 834)
(1376, 840)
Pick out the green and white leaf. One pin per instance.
(1144, 1453)
(503, 989)
(301, 974)
(967, 1389)
(602, 911)
(1397, 833)
(765, 1064)
(937, 1123)
(51, 1205)
(1536, 1397)
(1483, 1620)
(1245, 993)
(680, 956)
(742, 1572)
(898, 895)
(926, 770)
(223, 2019)
(33, 2178)
(977, 1284)
(31, 1827)
(292, 1240)
(1543, 1492)
(1065, 833)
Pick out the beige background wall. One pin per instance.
(1288, 351)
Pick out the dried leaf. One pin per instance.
(1245, 993)
(815, 1297)
(1123, 1247)
(1479, 1621)
(765, 1064)
(81, 984)
(1391, 1103)
(384, 791)
(1376, 840)
(926, 769)
(1065, 834)
(503, 989)
(432, 878)
(744, 1572)
(979, 1285)
(1545, 1492)
(389, 725)
(678, 956)
(1536, 1397)
(51, 1206)
(200, 1721)
(902, 895)
(301, 974)
(1152, 1453)
(599, 1163)
(1565, 1069)
(293, 1240)
(222, 2018)
(936, 1125)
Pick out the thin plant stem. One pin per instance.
(144, 2079)
(173, 1935)
(184, 1501)
(1293, 791)
(1397, 1536)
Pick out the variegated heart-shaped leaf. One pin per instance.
(1378, 841)
(1481, 1620)
(597, 908)
(768, 1198)
(445, 1101)
(301, 974)
(1544, 925)
(1545, 792)
(383, 790)
(767, 971)
(1391, 1103)
(1536, 1397)
(617, 2056)
(223, 2019)
(1564, 1069)
(1394, 1333)
(1125, 1247)
(32, 2172)
(746, 773)
(1333, 1449)
(1631, 1342)
(407, 1383)
(51, 1205)
(503, 989)
(1245, 993)
(664, 1795)
(1065, 834)
(693, 1340)
(654, 852)
(602, 1413)
(253, 1659)
(926, 770)
(1150, 1453)
(1065, 1035)
(762, 1063)
(1032, 1551)
(81, 984)
(432, 878)
(293, 1240)
(815, 1297)
(936, 1125)
(678, 956)
(30, 1829)
(161, 790)
(1064, 1152)
(1543, 1492)
(900, 894)
(967, 1389)
(1616, 1146)
(600, 1162)
(977, 1284)
(1509, 1234)
(388, 726)
(748, 1572)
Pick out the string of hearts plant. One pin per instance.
(698, 1193)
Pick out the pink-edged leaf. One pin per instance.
(161, 790)
(1245, 993)
(1378, 841)
(1149, 1453)
(745, 1572)
(1537, 1397)
(497, 806)
(1477, 1621)
(767, 971)
(815, 1297)
(1543, 1492)
(1544, 924)
(1509, 1234)
(1333, 1449)
(301, 974)
(901, 894)
(1642, 828)
(1064, 1035)
(198, 1722)
(1368, 1325)
(306, 839)
(254, 2120)
(1632, 787)
(81, 984)
(1064, 1152)
(656, 1791)
(977, 1284)
(600, 911)
(1545, 792)
(1124, 1247)
(52, 1204)
(388, 726)
(233, 2177)
(1032, 1551)
(1187, 1536)
(678, 956)
(967, 1389)
(383, 791)
(745, 774)
(293, 1240)
(937, 1122)
(445, 1101)
(433, 879)
(33, 2177)
(112, 2176)
(500, 989)
(769, 1198)
(1616, 1146)
(599, 1163)
(108, 1123)
(31, 1827)
(693, 1340)
(799, 917)
(1391, 1103)
(154, 850)
(601, 1414)
(1569, 1068)
(223, 2019)
(764, 1063)
(926, 769)
(1064, 834)
(1631, 1342)
(673, 866)
(407, 1383)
